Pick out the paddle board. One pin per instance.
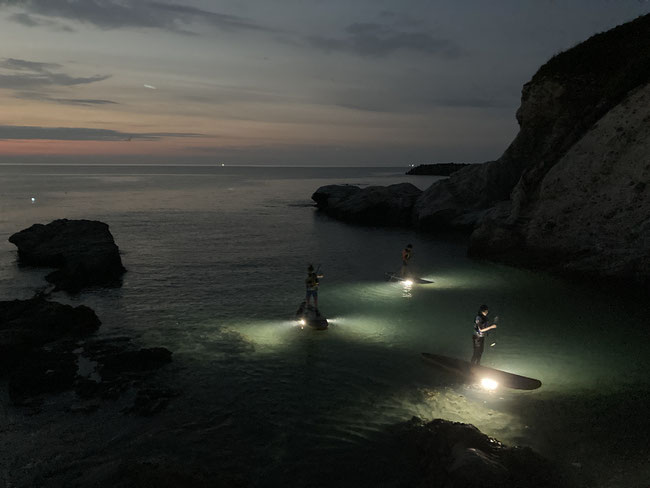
(391, 276)
(472, 373)
(307, 315)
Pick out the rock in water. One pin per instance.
(83, 251)
(373, 205)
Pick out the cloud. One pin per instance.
(82, 134)
(64, 101)
(21, 74)
(372, 39)
(116, 14)
(30, 21)
(22, 65)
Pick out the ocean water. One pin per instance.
(216, 259)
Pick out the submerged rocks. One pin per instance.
(36, 339)
(444, 453)
(44, 345)
(83, 250)
(373, 205)
(26, 325)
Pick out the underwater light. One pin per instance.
(302, 322)
(408, 282)
(489, 384)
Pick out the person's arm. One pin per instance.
(493, 326)
(478, 326)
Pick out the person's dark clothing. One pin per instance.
(478, 343)
(478, 338)
(406, 256)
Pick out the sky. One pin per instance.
(282, 82)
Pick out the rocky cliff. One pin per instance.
(571, 192)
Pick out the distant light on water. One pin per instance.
(33, 199)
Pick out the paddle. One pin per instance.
(495, 321)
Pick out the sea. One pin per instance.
(217, 258)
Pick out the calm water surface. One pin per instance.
(216, 259)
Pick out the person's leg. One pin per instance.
(316, 301)
(474, 351)
(477, 350)
(481, 345)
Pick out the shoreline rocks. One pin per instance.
(374, 205)
(43, 342)
(83, 251)
(571, 194)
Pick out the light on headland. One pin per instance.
(222, 164)
(489, 384)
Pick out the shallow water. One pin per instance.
(216, 258)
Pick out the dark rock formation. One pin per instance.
(83, 250)
(438, 453)
(26, 325)
(373, 205)
(437, 169)
(443, 453)
(571, 192)
(42, 343)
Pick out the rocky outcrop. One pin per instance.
(571, 191)
(26, 325)
(590, 212)
(28, 330)
(560, 104)
(444, 453)
(42, 347)
(374, 205)
(83, 251)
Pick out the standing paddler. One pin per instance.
(481, 328)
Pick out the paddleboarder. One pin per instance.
(481, 328)
(407, 252)
(311, 284)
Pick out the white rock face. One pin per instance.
(594, 203)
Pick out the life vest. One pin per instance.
(311, 281)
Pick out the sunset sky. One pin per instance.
(310, 82)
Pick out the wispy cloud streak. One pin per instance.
(373, 39)
(82, 134)
(115, 14)
(22, 74)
